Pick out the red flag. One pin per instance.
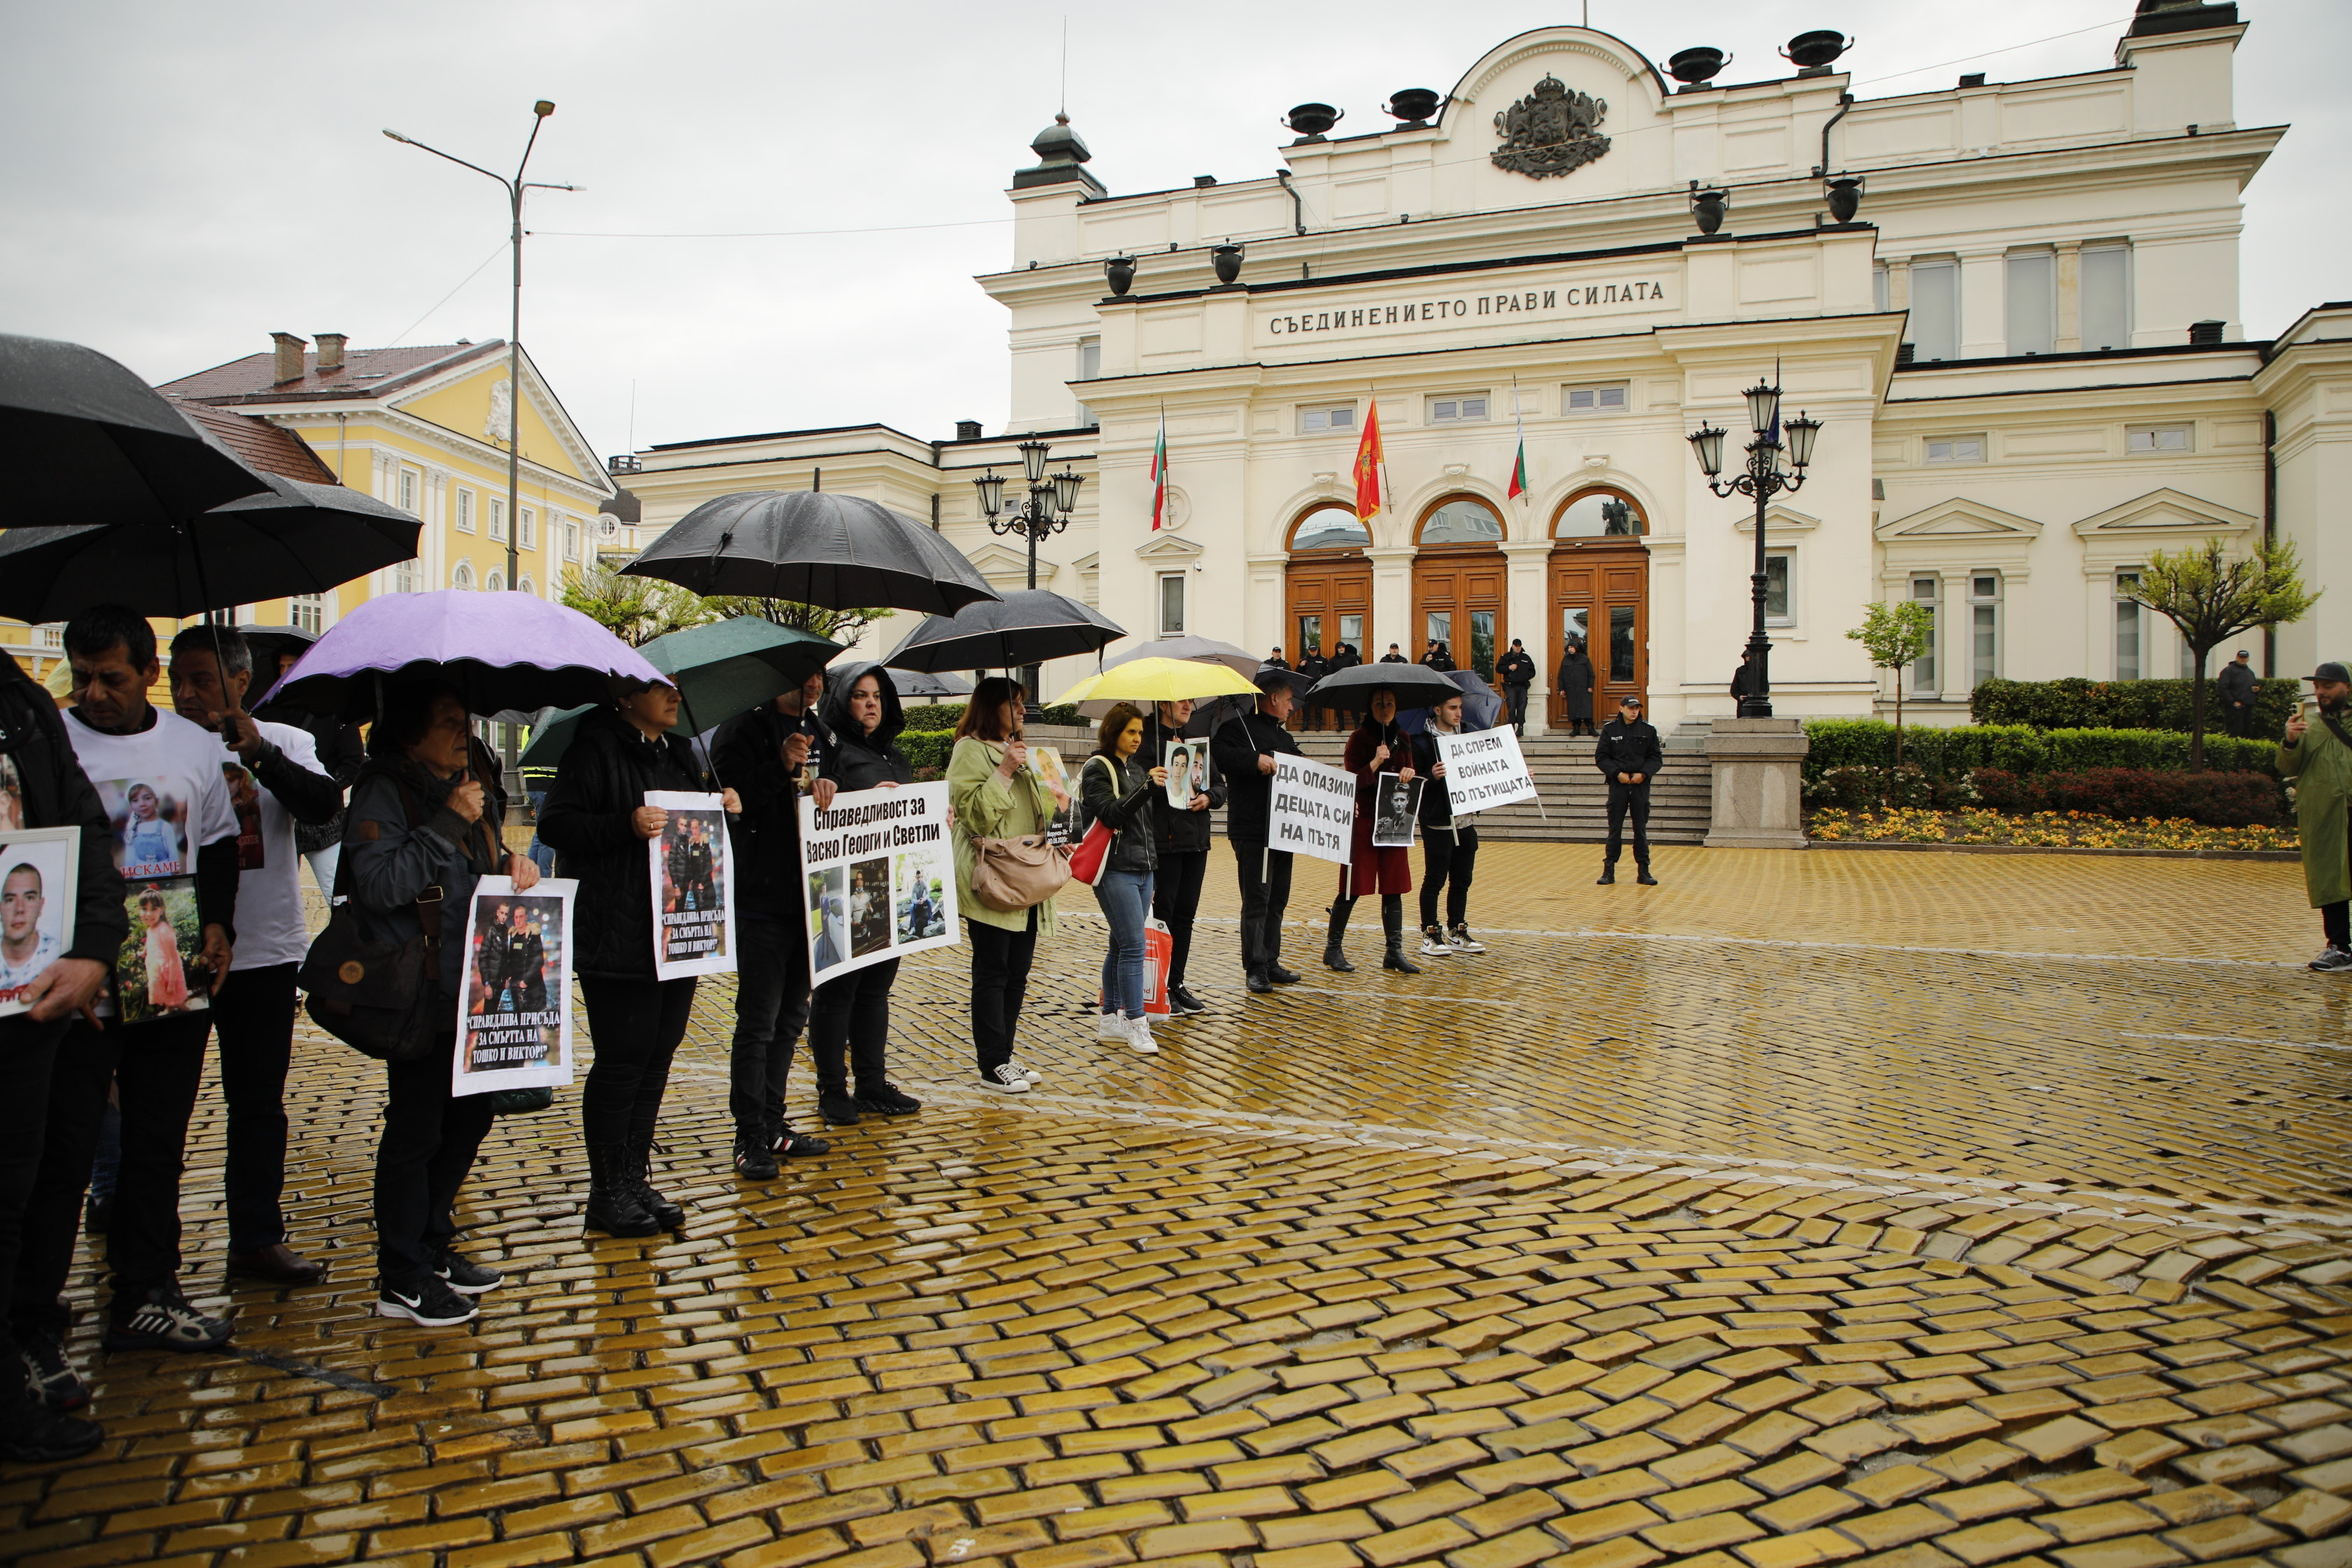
(1369, 462)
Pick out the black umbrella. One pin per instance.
(1415, 685)
(917, 683)
(84, 441)
(269, 643)
(1029, 626)
(813, 547)
(295, 538)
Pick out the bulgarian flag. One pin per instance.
(1370, 462)
(1159, 473)
(1519, 459)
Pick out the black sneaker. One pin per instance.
(754, 1161)
(55, 1383)
(163, 1320)
(803, 1146)
(432, 1304)
(31, 1433)
(1281, 976)
(1004, 1078)
(1183, 1002)
(463, 1276)
(837, 1109)
(1257, 984)
(888, 1099)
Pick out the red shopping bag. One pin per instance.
(1159, 951)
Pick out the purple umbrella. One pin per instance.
(501, 651)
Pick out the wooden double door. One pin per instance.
(1330, 602)
(1601, 597)
(1459, 598)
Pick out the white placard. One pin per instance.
(514, 1004)
(1314, 809)
(693, 887)
(1484, 769)
(39, 872)
(877, 877)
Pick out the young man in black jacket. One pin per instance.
(1243, 750)
(1517, 671)
(1628, 756)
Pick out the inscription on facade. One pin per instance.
(1553, 302)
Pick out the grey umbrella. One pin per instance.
(1028, 625)
(813, 547)
(917, 683)
(1415, 685)
(1188, 647)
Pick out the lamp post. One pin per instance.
(1763, 479)
(1047, 511)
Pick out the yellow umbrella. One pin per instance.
(1158, 681)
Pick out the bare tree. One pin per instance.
(2212, 597)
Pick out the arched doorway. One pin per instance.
(1459, 579)
(1329, 584)
(1601, 595)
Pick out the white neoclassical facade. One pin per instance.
(2024, 349)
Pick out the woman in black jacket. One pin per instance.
(598, 823)
(1119, 785)
(860, 717)
(1183, 844)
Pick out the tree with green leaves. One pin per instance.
(842, 626)
(2211, 596)
(1894, 636)
(635, 609)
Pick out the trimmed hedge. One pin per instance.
(2019, 749)
(2215, 800)
(926, 748)
(948, 715)
(2079, 704)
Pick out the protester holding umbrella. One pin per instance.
(1183, 847)
(1120, 785)
(1376, 746)
(996, 794)
(1243, 750)
(599, 824)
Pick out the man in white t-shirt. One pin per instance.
(158, 777)
(274, 777)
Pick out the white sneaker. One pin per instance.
(1025, 1070)
(1460, 937)
(1005, 1079)
(1109, 1026)
(1139, 1037)
(1433, 944)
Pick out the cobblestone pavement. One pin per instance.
(1915, 1210)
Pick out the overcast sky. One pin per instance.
(183, 179)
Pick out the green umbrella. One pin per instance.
(722, 670)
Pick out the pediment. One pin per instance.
(1959, 519)
(2167, 512)
(1168, 548)
(1779, 519)
(1002, 565)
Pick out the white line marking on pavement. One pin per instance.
(2236, 1040)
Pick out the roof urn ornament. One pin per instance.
(1552, 131)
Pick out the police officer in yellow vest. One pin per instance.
(2316, 758)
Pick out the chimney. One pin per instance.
(330, 351)
(967, 429)
(289, 358)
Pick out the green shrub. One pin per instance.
(2019, 750)
(926, 748)
(2075, 703)
(935, 716)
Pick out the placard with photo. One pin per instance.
(693, 887)
(1396, 803)
(514, 1007)
(877, 869)
(151, 827)
(161, 969)
(1046, 762)
(1187, 762)
(39, 871)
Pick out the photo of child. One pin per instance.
(153, 828)
(1046, 762)
(160, 969)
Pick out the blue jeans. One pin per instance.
(1125, 900)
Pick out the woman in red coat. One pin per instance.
(1377, 747)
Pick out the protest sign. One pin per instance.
(1188, 772)
(878, 870)
(1395, 804)
(38, 868)
(1046, 762)
(1314, 809)
(160, 968)
(1484, 769)
(514, 1005)
(693, 887)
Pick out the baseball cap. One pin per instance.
(1629, 701)
(2330, 670)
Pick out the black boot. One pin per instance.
(1392, 927)
(614, 1206)
(30, 1432)
(1608, 873)
(666, 1214)
(1646, 880)
(1332, 957)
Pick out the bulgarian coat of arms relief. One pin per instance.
(1551, 130)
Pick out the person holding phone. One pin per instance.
(2316, 758)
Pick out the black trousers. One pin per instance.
(1448, 861)
(1265, 877)
(28, 1054)
(156, 1067)
(1633, 798)
(430, 1139)
(853, 1012)
(1000, 984)
(254, 1015)
(771, 1006)
(1515, 698)
(1176, 900)
(636, 1026)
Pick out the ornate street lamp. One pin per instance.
(1047, 511)
(1763, 479)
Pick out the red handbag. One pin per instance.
(1086, 861)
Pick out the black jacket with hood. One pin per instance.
(1183, 832)
(856, 759)
(749, 754)
(600, 781)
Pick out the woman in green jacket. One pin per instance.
(996, 794)
(2316, 758)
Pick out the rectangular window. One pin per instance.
(1457, 410)
(497, 518)
(2032, 302)
(2159, 438)
(408, 487)
(1351, 631)
(1090, 367)
(307, 612)
(1956, 449)
(572, 539)
(1482, 644)
(1575, 626)
(1984, 629)
(1171, 604)
(1315, 421)
(530, 529)
(2131, 627)
(1310, 637)
(1438, 627)
(1621, 642)
(2106, 297)
(403, 577)
(1926, 592)
(1882, 290)
(1775, 590)
(1608, 399)
(465, 511)
(1934, 310)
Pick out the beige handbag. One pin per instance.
(1011, 873)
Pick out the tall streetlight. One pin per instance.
(1764, 480)
(514, 189)
(1047, 511)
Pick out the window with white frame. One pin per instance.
(306, 612)
(1779, 606)
(410, 481)
(1334, 416)
(2131, 629)
(497, 518)
(1927, 593)
(402, 577)
(2030, 297)
(2142, 438)
(1090, 367)
(2104, 297)
(1458, 410)
(465, 511)
(528, 587)
(1934, 310)
(1608, 397)
(496, 582)
(461, 575)
(572, 539)
(1956, 449)
(530, 529)
(1171, 604)
(1984, 627)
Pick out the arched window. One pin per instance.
(1330, 528)
(1599, 514)
(496, 582)
(529, 587)
(1462, 520)
(462, 574)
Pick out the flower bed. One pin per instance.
(2041, 830)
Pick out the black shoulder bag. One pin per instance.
(381, 998)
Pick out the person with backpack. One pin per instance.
(1120, 784)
